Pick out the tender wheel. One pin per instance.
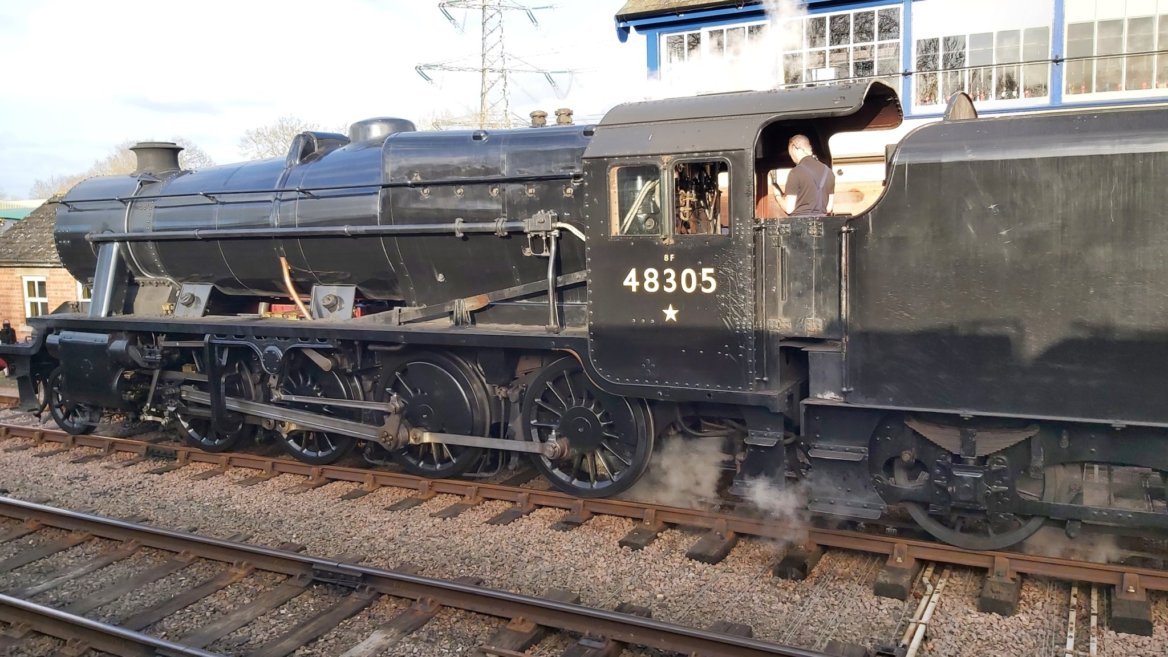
(442, 393)
(239, 379)
(74, 419)
(976, 531)
(610, 438)
(303, 377)
(971, 528)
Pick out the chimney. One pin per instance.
(378, 128)
(538, 119)
(563, 116)
(156, 156)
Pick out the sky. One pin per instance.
(80, 76)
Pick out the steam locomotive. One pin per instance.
(972, 349)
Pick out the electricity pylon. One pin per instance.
(494, 69)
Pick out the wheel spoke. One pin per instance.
(557, 394)
(602, 464)
(571, 393)
(545, 406)
(405, 386)
(620, 458)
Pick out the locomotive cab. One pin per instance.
(694, 279)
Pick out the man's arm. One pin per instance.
(830, 202)
(791, 194)
(789, 203)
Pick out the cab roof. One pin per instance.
(732, 121)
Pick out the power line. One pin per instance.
(493, 69)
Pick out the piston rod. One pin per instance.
(309, 421)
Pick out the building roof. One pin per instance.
(639, 8)
(30, 242)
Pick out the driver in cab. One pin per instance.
(810, 188)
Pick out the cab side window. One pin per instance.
(701, 198)
(635, 199)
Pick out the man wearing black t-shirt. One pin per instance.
(811, 184)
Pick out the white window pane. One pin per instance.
(816, 32)
(841, 29)
(888, 24)
(1141, 37)
(1109, 70)
(865, 26)
(674, 49)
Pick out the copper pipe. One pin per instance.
(291, 289)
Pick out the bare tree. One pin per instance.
(273, 139)
(55, 184)
(119, 161)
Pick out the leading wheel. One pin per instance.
(610, 438)
(238, 378)
(74, 419)
(444, 394)
(302, 376)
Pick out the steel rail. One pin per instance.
(95, 635)
(651, 514)
(562, 616)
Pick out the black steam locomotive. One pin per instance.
(991, 329)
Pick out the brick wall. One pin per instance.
(60, 285)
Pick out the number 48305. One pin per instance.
(651, 279)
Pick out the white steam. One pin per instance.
(683, 473)
(1088, 546)
(741, 58)
(785, 504)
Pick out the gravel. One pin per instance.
(529, 557)
(1036, 630)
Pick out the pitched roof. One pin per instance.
(642, 8)
(30, 242)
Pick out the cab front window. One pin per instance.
(636, 200)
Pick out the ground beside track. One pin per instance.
(529, 557)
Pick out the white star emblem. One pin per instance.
(670, 313)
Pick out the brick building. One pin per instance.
(32, 280)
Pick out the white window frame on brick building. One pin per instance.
(84, 293)
(33, 300)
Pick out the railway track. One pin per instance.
(1127, 584)
(523, 619)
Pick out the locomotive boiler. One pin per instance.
(962, 350)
